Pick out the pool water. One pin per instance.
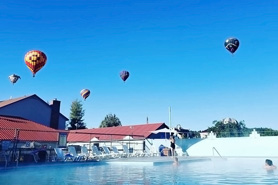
(214, 171)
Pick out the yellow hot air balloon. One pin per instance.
(35, 60)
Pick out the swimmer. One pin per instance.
(176, 161)
(269, 165)
(172, 145)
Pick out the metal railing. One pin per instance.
(19, 145)
(214, 149)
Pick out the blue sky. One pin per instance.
(174, 51)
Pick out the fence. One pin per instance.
(19, 146)
(134, 142)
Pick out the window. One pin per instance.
(62, 140)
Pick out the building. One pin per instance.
(23, 140)
(24, 132)
(35, 109)
(204, 134)
(136, 137)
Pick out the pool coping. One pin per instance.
(116, 161)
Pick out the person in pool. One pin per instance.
(176, 161)
(269, 165)
(172, 145)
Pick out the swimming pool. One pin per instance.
(214, 171)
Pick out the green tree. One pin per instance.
(265, 131)
(110, 121)
(229, 129)
(76, 116)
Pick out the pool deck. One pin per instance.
(145, 161)
(153, 160)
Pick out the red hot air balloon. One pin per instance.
(124, 75)
(85, 93)
(35, 60)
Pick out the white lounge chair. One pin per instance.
(75, 157)
(98, 154)
(60, 155)
(85, 153)
(108, 153)
(126, 151)
(116, 152)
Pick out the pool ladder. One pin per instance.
(214, 149)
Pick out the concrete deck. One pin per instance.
(143, 161)
(153, 160)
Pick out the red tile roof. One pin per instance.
(114, 133)
(28, 130)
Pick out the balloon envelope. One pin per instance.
(124, 75)
(85, 93)
(13, 78)
(35, 60)
(231, 44)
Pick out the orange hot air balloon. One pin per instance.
(35, 60)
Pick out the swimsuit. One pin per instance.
(173, 145)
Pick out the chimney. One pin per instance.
(55, 113)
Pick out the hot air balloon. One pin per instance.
(85, 93)
(124, 75)
(231, 44)
(13, 78)
(35, 60)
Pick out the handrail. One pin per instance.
(146, 146)
(214, 149)
(148, 141)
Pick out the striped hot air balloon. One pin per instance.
(85, 93)
(35, 60)
(124, 75)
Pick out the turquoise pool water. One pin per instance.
(215, 171)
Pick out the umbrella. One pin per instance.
(94, 139)
(127, 138)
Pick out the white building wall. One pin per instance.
(236, 147)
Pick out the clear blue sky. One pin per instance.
(174, 51)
